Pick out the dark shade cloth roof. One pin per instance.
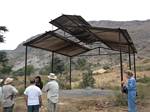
(51, 41)
(82, 30)
(114, 38)
(76, 26)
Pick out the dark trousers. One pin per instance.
(8, 109)
(33, 108)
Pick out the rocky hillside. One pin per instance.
(138, 30)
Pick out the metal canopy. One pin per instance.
(79, 28)
(51, 41)
(76, 27)
(116, 39)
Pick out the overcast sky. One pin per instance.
(26, 18)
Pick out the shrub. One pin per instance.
(63, 82)
(144, 80)
(142, 91)
(21, 71)
(146, 61)
(82, 64)
(120, 99)
(58, 67)
(21, 90)
(145, 67)
(87, 79)
(106, 67)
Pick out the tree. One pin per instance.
(45, 70)
(2, 30)
(58, 67)
(5, 68)
(87, 79)
(21, 71)
(82, 64)
(3, 58)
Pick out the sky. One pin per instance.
(27, 18)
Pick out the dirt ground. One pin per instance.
(86, 103)
(83, 104)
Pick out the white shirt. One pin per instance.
(33, 92)
(52, 89)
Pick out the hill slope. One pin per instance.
(138, 30)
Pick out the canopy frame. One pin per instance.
(95, 34)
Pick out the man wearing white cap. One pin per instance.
(52, 89)
(9, 93)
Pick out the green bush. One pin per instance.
(45, 70)
(121, 99)
(87, 79)
(82, 64)
(63, 85)
(5, 68)
(144, 80)
(21, 71)
(58, 67)
(143, 67)
(106, 67)
(21, 90)
(146, 61)
(142, 91)
(63, 82)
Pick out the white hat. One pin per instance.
(52, 76)
(8, 80)
(1, 80)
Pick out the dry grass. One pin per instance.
(84, 104)
(107, 80)
(87, 104)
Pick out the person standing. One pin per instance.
(52, 89)
(38, 82)
(9, 93)
(33, 97)
(1, 92)
(131, 88)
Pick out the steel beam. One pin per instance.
(134, 65)
(129, 57)
(25, 76)
(121, 66)
(52, 63)
(70, 73)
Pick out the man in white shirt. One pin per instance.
(33, 97)
(52, 89)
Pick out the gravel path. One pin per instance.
(85, 92)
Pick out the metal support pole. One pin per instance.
(99, 51)
(25, 76)
(134, 65)
(129, 57)
(70, 73)
(52, 63)
(121, 66)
